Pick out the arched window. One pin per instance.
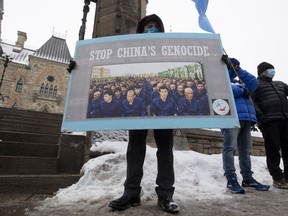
(51, 91)
(42, 89)
(55, 91)
(19, 85)
(15, 105)
(46, 90)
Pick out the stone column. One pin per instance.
(117, 17)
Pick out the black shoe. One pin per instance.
(168, 205)
(125, 202)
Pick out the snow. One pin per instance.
(197, 176)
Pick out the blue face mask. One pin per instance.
(152, 30)
(271, 73)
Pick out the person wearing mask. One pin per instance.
(242, 84)
(271, 104)
(136, 151)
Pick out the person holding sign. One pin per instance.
(240, 137)
(136, 151)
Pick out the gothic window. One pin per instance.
(42, 89)
(46, 90)
(51, 91)
(15, 105)
(55, 91)
(19, 85)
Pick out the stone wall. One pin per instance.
(32, 77)
(205, 141)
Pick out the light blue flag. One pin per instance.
(201, 6)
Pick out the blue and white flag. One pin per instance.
(201, 6)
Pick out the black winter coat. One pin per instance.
(270, 100)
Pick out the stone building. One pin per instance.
(35, 79)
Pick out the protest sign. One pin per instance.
(140, 64)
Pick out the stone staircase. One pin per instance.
(34, 156)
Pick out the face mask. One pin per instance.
(271, 73)
(152, 30)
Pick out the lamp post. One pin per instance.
(84, 19)
(6, 60)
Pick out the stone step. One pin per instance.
(31, 118)
(36, 184)
(17, 136)
(28, 113)
(27, 165)
(28, 149)
(30, 127)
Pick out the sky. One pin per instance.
(201, 178)
(251, 31)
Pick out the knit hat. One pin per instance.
(264, 66)
(146, 20)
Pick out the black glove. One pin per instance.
(71, 66)
(231, 62)
(246, 93)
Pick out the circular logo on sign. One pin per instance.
(221, 107)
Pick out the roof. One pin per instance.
(18, 55)
(55, 49)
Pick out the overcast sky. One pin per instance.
(251, 30)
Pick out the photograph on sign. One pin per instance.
(174, 80)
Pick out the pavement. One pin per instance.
(253, 203)
(18, 204)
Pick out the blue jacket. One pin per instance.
(244, 106)
(186, 108)
(136, 109)
(112, 109)
(161, 108)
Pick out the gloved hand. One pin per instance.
(71, 66)
(231, 62)
(246, 93)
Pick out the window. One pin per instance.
(51, 91)
(46, 90)
(42, 89)
(19, 85)
(55, 91)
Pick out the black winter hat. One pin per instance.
(146, 20)
(264, 66)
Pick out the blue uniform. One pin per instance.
(136, 109)
(161, 108)
(186, 107)
(112, 109)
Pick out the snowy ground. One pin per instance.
(199, 181)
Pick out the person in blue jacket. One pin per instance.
(133, 106)
(163, 105)
(95, 105)
(188, 105)
(109, 107)
(242, 86)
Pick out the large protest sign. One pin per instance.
(109, 67)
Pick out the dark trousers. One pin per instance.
(275, 134)
(135, 156)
